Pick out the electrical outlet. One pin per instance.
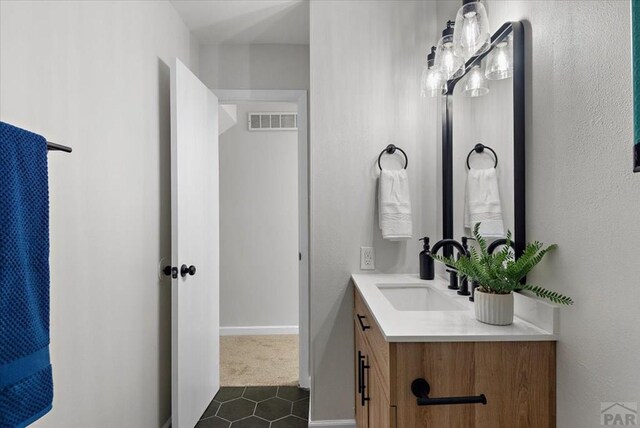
(367, 258)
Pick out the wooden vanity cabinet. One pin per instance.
(373, 372)
(517, 378)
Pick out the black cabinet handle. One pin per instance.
(170, 271)
(420, 388)
(184, 270)
(360, 384)
(363, 389)
(362, 325)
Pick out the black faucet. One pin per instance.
(453, 275)
(497, 243)
(464, 281)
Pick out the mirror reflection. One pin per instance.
(483, 178)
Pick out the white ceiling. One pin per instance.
(246, 21)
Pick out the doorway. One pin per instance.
(264, 239)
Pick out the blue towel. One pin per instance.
(26, 386)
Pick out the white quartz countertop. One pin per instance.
(535, 320)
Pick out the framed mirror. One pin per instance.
(483, 143)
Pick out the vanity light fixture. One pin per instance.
(500, 61)
(471, 36)
(433, 82)
(446, 61)
(475, 85)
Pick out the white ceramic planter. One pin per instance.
(495, 309)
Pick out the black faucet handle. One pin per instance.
(465, 242)
(453, 279)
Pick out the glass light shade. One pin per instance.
(500, 61)
(432, 83)
(450, 65)
(475, 84)
(471, 36)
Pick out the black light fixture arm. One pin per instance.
(420, 388)
(499, 36)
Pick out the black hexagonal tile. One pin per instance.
(236, 409)
(214, 422)
(227, 393)
(273, 408)
(211, 410)
(260, 393)
(290, 422)
(250, 422)
(292, 393)
(301, 408)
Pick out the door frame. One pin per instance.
(299, 97)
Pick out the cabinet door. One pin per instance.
(361, 378)
(449, 368)
(381, 413)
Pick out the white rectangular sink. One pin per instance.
(416, 297)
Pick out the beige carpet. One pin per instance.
(259, 360)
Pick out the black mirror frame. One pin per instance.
(516, 28)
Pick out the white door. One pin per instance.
(195, 312)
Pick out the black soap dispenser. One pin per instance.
(426, 261)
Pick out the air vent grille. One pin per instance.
(257, 121)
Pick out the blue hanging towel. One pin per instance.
(26, 386)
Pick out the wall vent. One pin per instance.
(271, 121)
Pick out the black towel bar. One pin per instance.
(479, 148)
(58, 147)
(420, 388)
(391, 149)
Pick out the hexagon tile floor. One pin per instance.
(257, 407)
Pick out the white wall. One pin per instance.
(255, 66)
(259, 223)
(366, 59)
(95, 76)
(581, 192)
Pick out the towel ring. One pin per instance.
(391, 149)
(479, 148)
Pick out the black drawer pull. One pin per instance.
(363, 397)
(362, 325)
(360, 374)
(420, 388)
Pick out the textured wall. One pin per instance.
(95, 76)
(366, 59)
(259, 223)
(581, 192)
(260, 66)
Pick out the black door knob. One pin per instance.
(171, 271)
(184, 270)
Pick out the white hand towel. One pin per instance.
(482, 203)
(394, 205)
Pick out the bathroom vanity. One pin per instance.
(407, 329)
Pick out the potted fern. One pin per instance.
(498, 275)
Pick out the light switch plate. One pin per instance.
(367, 258)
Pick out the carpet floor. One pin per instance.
(259, 360)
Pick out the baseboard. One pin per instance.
(168, 423)
(305, 385)
(258, 330)
(345, 423)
